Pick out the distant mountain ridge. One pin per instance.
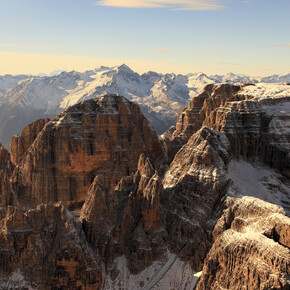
(161, 97)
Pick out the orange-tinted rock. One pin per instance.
(104, 136)
(47, 249)
(7, 196)
(213, 96)
(127, 221)
(192, 118)
(20, 144)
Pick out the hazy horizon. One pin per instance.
(57, 72)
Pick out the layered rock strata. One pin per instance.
(251, 248)
(213, 96)
(254, 132)
(45, 248)
(104, 136)
(20, 144)
(7, 196)
(127, 221)
(193, 188)
(257, 127)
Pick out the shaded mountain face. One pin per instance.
(24, 99)
(100, 201)
(7, 196)
(45, 248)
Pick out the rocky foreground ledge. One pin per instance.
(93, 198)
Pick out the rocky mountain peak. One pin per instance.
(105, 135)
(144, 166)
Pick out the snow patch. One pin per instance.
(15, 281)
(262, 91)
(169, 273)
(258, 181)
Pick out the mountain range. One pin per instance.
(161, 97)
(93, 198)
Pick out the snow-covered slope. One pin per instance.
(260, 181)
(168, 274)
(9, 81)
(24, 99)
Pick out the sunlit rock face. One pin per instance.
(104, 136)
(20, 144)
(212, 97)
(251, 248)
(193, 188)
(254, 118)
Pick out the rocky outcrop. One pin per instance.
(20, 144)
(7, 196)
(257, 127)
(127, 221)
(213, 96)
(192, 118)
(45, 248)
(241, 122)
(103, 136)
(251, 248)
(193, 188)
(256, 131)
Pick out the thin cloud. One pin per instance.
(169, 4)
(160, 49)
(283, 45)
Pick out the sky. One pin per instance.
(181, 36)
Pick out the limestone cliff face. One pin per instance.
(241, 122)
(213, 96)
(256, 130)
(45, 248)
(127, 221)
(194, 186)
(20, 144)
(103, 136)
(192, 118)
(7, 196)
(251, 248)
(256, 127)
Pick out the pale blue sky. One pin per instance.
(251, 37)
